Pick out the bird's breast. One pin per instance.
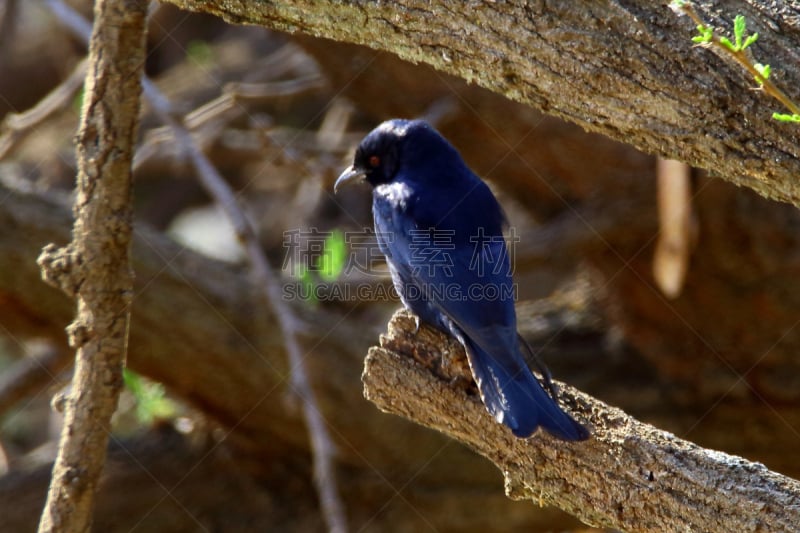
(397, 195)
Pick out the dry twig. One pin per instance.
(215, 185)
(32, 373)
(207, 122)
(95, 266)
(741, 57)
(17, 126)
(671, 256)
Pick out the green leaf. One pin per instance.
(334, 256)
(728, 44)
(739, 26)
(151, 400)
(750, 40)
(132, 381)
(782, 117)
(704, 34)
(764, 70)
(77, 102)
(199, 51)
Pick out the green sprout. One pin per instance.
(736, 48)
(324, 265)
(77, 102)
(199, 52)
(739, 30)
(783, 117)
(151, 401)
(334, 256)
(764, 70)
(704, 35)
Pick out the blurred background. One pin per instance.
(687, 322)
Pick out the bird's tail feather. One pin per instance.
(515, 398)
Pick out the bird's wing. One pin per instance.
(472, 297)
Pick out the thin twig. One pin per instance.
(334, 124)
(671, 256)
(206, 124)
(208, 121)
(273, 89)
(322, 446)
(32, 373)
(18, 126)
(95, 267)
(742, 58)
(70, 18)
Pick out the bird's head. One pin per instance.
(379, 156)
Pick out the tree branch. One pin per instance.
(18, 126)
(41, 365)
(624, 69)
(192, 329)
(95, 266)
(674, 244)
(216, 186)
(628, 476)
(193, 316)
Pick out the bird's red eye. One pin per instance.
(374, 161)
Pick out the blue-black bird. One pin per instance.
(441, 230)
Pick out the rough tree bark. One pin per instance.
(95, 267)
(628, 476)
(627, 69)
(196, 314)
(193, 316)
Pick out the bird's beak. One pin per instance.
(350, 175)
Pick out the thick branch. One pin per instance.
(216, 186)
(626, 69)
(192, 317)
(95, 266)
(628, 476)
